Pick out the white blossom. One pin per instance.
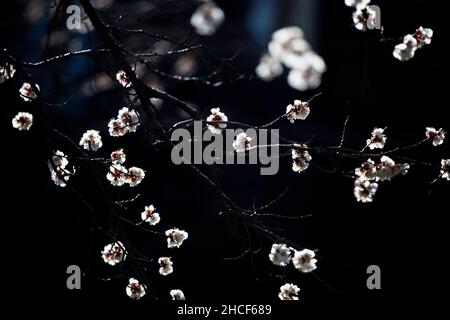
(134, 289)
(118, 157)
(445, 168)
(437, 136)
(300, 159)
(175, 237)
(130, 118)
(297, 110)
(123, 79)
(22, 121)
(358, 4)
(378, 139)
(27, 93)
(149, 215)
(384, 171)
(220, 118)
(365, 190)
(367, 171)
(242, 142)
(304, 260)
(117, 175)
(7, 71)
(268, 68)
(307, 74)
(135, 176)
(411, 42)
(423, 36)
(389, 169)
(177, 294)
(207, 18)
(289, 291)
(364, 18)
(117, 128)
(280, 254)
(406, 50)
(91, 140)
(288, 46)
(114, 253)
(57, 166)
(165, 266)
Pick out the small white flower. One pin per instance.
(117, 128)
(287, 45)
(220, 118)
(177, 294)
(242, 142)
(268, 68)
(149, 215)
(207, 18)
(280, 255)
(304, 260)
(91, 140)
(358, 4)
(437, 136)
(389, 169)
(135, 176)
(27, 93)
(367, 171)
(22, 121)
(423, 36)
(297, 110)
(289, 291)
(57, 166)
(406, 50)
(365, 190)
(307, 73)
(117, 175)
(123, 79)
(300, 159)
(445, 168)
(130, 118)
(134, 289)
(364, 18)
(7, 71)
(378, 139)
(118, 157)
(114, 253)
(175, 237)
(165, 266)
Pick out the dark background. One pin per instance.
(404, 231)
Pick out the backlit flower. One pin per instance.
(150, 215)
(91, 140)
(177, 294)
(22, 121)
(304, 260)
(114, 253)
(289, 291)
(378, 139)
(242, 142)
(207, 18)
(437, 136)
(297, 110)
(165, 266)
(280, 254)
(134, 289)
(135, 176)
(220, 118)
(27, 93)
(175, 237)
